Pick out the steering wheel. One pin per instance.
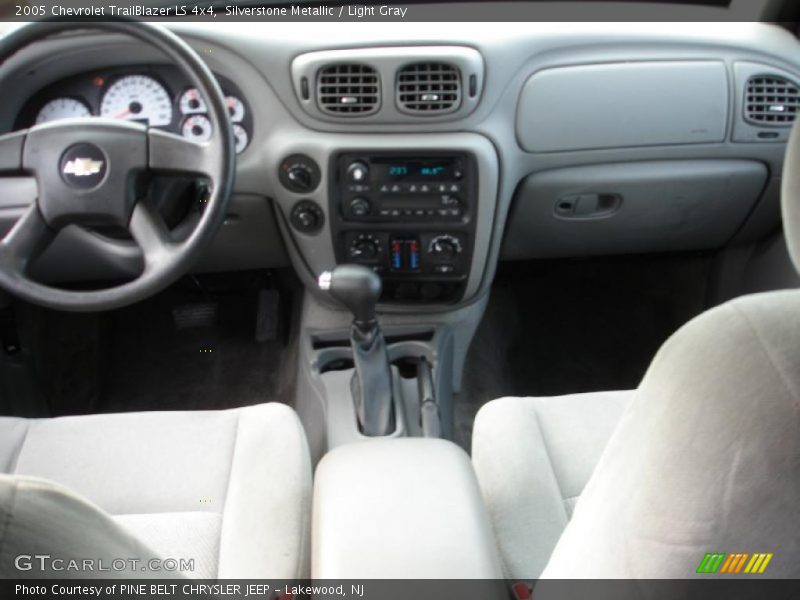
(88, 173)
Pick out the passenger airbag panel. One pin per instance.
(623, 105)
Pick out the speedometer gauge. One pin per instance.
(138, 98)
(62, 108)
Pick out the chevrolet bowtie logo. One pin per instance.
(83, 167)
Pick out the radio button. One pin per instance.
(359, 207)
(357, 172)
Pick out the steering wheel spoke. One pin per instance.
(11, 145)
(151, 234)
(173, 153)
(26, 240)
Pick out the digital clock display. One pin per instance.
(416, 170)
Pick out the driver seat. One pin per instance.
(229, 490)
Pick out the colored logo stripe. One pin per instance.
(720, 562)
(711, 562)
(758, 564)
(734, 563)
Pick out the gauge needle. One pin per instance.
(123, 114)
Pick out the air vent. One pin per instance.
(348, 89)
(429, 88)
(771, 100)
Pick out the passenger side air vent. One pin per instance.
(348, 90)
(428, 88)
(771, 100)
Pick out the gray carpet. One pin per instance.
(559, 327)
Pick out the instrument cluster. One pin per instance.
(158, 96)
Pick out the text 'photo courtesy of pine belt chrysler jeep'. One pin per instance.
(477, 300)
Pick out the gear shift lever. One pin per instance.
(359, 288)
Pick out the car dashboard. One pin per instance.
(432, 157)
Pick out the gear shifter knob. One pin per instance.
(358, 288)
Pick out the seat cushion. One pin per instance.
(705, 460)
(533, 457)
(230, 488)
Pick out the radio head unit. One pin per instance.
(409, 216)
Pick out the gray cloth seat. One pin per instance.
(533, 457)
(705, 458)
(227, 489)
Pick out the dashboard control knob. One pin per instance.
(299, 173)
(307, 216)
(300, 176)
(365, 248)
(357, 172)
(359, 207)
(445, 246)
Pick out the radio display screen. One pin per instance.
(414, 170)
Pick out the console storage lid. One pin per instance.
(400, 509)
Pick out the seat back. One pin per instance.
(50, 532)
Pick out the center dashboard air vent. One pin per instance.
(428, 88)
(771, 100)
(348, 89)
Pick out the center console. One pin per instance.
(408, 216)
(365, 494)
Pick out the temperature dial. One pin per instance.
(445, 246)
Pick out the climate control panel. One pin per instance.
(409, 216)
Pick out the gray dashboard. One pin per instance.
(560, 111)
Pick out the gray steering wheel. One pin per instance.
(87, 172)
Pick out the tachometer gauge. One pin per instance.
(138, 98)
(191, 102)
(197, 128)
(242, 139)
(235, 108)
(62, 108)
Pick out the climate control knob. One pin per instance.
(359, 207)
(445, 246)
(357, 172)
(364, 248)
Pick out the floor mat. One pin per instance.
(559, 327)
(192, 347)
(158, 362)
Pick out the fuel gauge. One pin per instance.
(242, 139)
(197, 128)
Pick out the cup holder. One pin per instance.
(337, 364)
(407, 366)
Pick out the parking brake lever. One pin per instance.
(429, 417)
